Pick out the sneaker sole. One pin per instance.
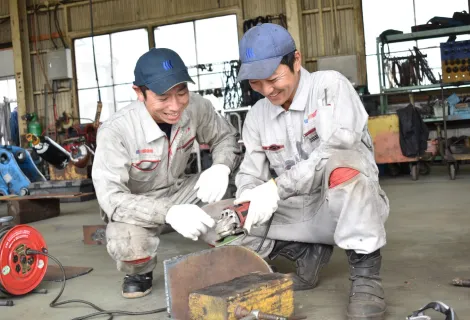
(134, 295)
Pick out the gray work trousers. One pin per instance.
(350, 215)
(128, 243)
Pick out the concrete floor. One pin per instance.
(428, 245)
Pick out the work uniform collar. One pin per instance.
(151, 129)
(301, 95)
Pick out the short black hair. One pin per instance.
(144, 90)
(289, 60)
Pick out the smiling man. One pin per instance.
(309, 171)
(138, 169)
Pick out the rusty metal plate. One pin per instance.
(46, 196)
(185, 274)
(95, 234)
(27, 211)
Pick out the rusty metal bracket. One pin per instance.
(94, 235)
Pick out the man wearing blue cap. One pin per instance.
(309, 171)
(138, 169)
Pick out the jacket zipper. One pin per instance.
(169, 146)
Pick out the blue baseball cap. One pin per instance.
(261, 50)
(160, 69)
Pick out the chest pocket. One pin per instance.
(146, 166)
(276, 154)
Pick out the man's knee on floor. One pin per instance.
(341, 175)
(131, 243)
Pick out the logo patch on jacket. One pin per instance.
(144, 151)
(311, 135)
(310, 117)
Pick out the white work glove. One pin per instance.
(212, 183)
(189, 220)
(263, 203)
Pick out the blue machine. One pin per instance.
(17, 171)
(456, 107)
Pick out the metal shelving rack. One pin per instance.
(451, 159)
(414, 36)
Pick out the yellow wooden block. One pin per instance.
(268, 292)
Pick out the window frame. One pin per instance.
(149, 25)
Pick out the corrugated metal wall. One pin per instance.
(255, 8)
(42, 28)
(331, 28)
(121, 12)
(328, 27)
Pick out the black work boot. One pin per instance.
(366, 299)
(309, 259)
(137, 286)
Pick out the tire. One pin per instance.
(393, 169)
(452, 171)
(414, 172)
(424, 168)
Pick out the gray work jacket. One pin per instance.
(136, 165)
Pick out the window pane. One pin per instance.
(84, 62)
(180, 38)
(127, 47)
(217, 39)
(87, 101)
(7, 89)
(124, 94)
(217, 102)
(211, 81)
(11, 89)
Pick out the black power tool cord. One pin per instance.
(101, 311)
(265, 234)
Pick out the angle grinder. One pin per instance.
(231, 221)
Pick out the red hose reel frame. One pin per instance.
(21, 273)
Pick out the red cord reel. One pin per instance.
(21, 273)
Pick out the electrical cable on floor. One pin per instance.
(101, 311)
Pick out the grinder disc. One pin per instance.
(21, 273)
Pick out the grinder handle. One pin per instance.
(242, 211)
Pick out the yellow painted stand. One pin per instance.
(385, 134)
(268, 292)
